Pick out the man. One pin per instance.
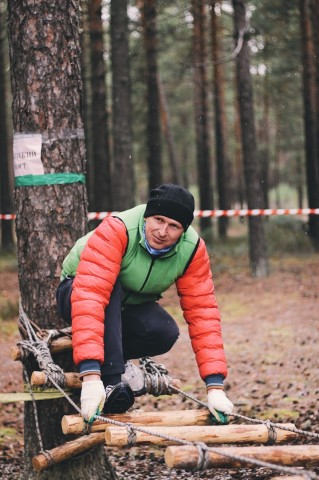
(111, 283)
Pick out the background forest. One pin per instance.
(221, 97)
(162, 103)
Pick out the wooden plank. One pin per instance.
(290, 455)
(118, 436)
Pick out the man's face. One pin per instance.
(162, 232)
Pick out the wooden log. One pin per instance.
(118, 436)
(67, 450)
(74, 424)
(57, 345)
(72, 380)
(289, 455)
(289, 477)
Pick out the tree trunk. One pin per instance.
(201, 113)
(175, 175)
(153, 130)
(85, 45)
(6, 187)
(277, 153)
(50, 196)
(310, 118)
(265, 143)
(222, 163)
(257, 240)
(238, 187)
(123, 178)
(101, 171)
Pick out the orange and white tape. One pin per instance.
(231, 213)
(7, 216)
(256, 212)
(213, 213)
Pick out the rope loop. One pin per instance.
(53, 333)
(202, 456)
(131, 435)
(48, 456)
(272, 433)
(40, 349)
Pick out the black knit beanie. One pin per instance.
(171, 201)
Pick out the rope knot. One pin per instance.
(157, 381)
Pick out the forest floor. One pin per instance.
(271, 337)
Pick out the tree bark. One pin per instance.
(265, 143)
(46, 89)
(201, 114)
(257, 239)
(6, 184)
(101, 168)
(168, 132)
(238, 187)
(311, 117)
(223, 173)
(123, 175)
(153, 130)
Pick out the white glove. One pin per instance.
(217, 400)
(92, 398)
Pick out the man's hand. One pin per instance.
(217, 400)
(92, 398)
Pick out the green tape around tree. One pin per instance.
(49, 179)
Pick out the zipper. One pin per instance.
(145, 281)
(148, 274)
(150, 269)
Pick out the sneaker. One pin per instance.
(119, 398)
(135, 378)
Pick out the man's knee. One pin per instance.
(148, 327)
(165, 335)
(164, 332)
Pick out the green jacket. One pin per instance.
(143, 277)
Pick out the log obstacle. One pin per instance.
(214, 434)
(57, 345)
(74, 424)
(72, 380)
(67, 450)
(85, 442)
(196, 427)
(186, 457)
